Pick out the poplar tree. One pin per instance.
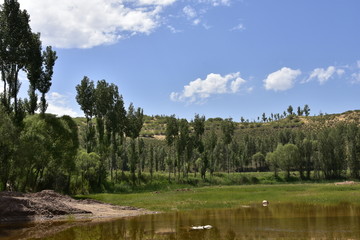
(33, 70)
(15, 37)
(228, 128)
(44, 83)
(86, 99)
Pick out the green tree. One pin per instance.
(300, 112)
(272, 160)
(331, 146)
(182, 144)
(287, 156)
(135, 121)
(33, 70)
(44, 83)
(104, 100)
(258, 159)
(306, 110)
(87, 165)
(46, 154)
(171, 135)
(7, 146)
(86, 99)
(290, 110)
(15, 37)
(228, 128)
(353, 149)
(210, 144)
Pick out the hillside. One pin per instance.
(155, 126)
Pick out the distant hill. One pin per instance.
(155, 126)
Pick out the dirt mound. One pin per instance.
(49, 205)
(45, 204)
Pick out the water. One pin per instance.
(283, 221)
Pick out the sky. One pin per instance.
(218, 58)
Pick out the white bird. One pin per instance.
(201, 227)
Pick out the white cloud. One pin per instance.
(173, 29)
(355, 77)
(216, 3)
(201, 89)
(358, 63)
(196, 21)
(250, 89)
(323, 75)
(281, 80)
(239, 27)
(156, 2)
(89, 23)
(59, 105)
(235, 85)
(189, 12)
(340, 72)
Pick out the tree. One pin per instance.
(135, 121)
(299, 111)
(286, 157)
(15, 36)
(33, 70)
(306, 110)
(264, 118)
(290, 110)
(272, 160)
(210, 144)
(86, 99)
(106, 99)
(171, 135)
(115, 125)
(259, 160)
(307, 153)
(228, 128)
(87, 165)
(44, 83)
(199, 128)
(331, 146)
(7, 146)
(182, 144)
(47, 151)
(353, 149)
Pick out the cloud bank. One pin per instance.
(89, 23)
(201, 89)
(281, 80)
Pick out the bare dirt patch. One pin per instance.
(346, 183)
(49, 205)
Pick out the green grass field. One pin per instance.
(234, 196)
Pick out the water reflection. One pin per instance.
(298, 221)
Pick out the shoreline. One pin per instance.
(49, 206)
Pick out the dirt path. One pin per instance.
(49, 205)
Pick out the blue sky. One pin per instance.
(218, 58)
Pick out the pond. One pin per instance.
(277, 221)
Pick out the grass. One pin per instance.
(234, 196)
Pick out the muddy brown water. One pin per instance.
(277, 221)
